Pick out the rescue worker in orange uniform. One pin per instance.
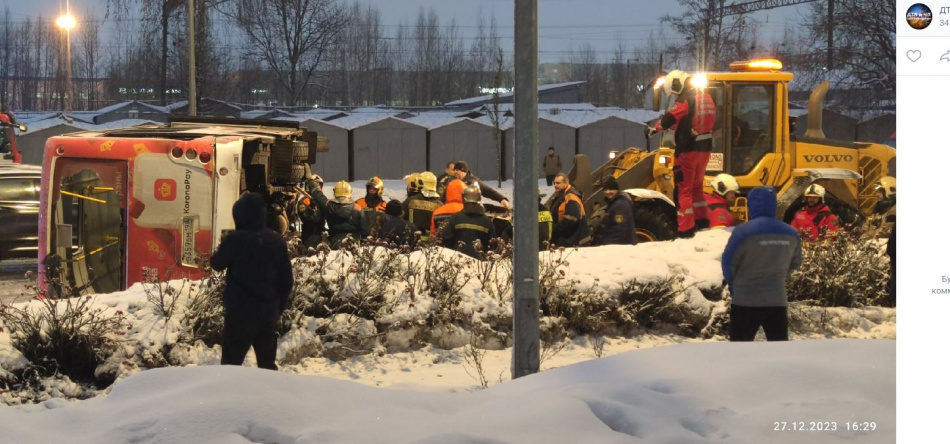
(692, 118)
(453, 204)
(725, 189)
(816, 220)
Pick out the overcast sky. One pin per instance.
(563, 23)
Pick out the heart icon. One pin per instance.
(913, 55)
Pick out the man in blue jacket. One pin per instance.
(758, 258)
(257, 287)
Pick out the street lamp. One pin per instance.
(67, 22)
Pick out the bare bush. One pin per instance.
(849, 270)
(648, 304)
(474, 358)
(204, 312)
(493, 270)
(597, 345)
(71, 336)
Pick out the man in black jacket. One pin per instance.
(314, 220)
(395, 229)
(463, 173)
(469, 225)
(257, 287)
(419, 208)
(343, 219)
(618, 226)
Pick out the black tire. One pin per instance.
(297, 173)
(301, 151)
(655, 221)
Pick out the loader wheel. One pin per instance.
(654, 221)
(301, 151)
(297, 173)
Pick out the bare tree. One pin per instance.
(620, 75)
(294, 37)
(864, 43)
(88, 55)
(712, 40)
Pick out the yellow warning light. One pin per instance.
(756, 65)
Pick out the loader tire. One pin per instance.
(301, 151)
(654, 221)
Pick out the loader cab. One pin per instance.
(749, 127)
(751, 134)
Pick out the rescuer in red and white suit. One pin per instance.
(692, 117)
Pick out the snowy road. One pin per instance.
(12, 280)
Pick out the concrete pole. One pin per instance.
(526, 357)
(192, 82)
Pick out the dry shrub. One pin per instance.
(850, 270)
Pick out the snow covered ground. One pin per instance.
(654, 387)
(822, 391)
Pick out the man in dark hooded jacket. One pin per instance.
(257, 287)
(618, 227)
(757, 260)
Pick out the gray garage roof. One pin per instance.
(49, 123)
(486, 98)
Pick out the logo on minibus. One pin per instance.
(165, 189)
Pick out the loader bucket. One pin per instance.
(580, 175)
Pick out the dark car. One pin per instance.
(19, 210)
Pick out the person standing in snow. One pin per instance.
(618, 226)
(453, 204)
(552, 166)
(469, 231)
(314, 220)
(444, 179)
(570, 218)
(395, 229)
(757, 260)
(257, 286)
(421, 206)
(463, 173)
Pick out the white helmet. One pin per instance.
(725, 183)
(675, 82)
(815, 190)
(888, 185)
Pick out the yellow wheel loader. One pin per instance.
(754, 141)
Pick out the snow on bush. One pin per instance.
(375, 298)
(850, 270)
